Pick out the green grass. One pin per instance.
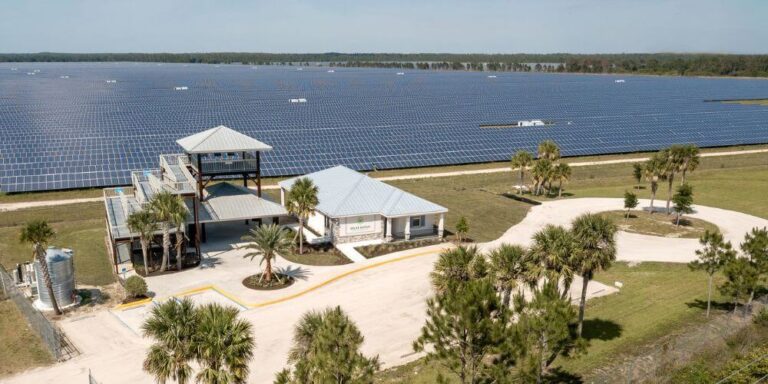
(319, 257)
(489, 214)
(660, 224)
(79, 227)
(21, 348)
(657, 299)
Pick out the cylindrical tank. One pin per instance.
(61, 267)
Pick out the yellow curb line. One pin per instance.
(278, 300)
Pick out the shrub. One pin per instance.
(135, 286)
(761, 318)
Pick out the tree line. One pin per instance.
(681, 64)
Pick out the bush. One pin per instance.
(135, 286)
(761, 318)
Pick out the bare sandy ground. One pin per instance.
(387, 300)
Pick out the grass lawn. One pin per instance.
(660, 224)
(79, 227)
(22, 348)
(657, 299)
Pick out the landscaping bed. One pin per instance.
(660, 224)
(317, 255)
(375, 250)
(279, 281)
(22, 348)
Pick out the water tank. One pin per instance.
(61, 267)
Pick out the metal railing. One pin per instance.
(52, 338)
(226, 165)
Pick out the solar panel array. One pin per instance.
(74, 125)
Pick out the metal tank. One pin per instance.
(61, 267)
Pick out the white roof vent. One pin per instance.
(619, 81)
(491, 76)
(111, 81)
(400, 73)
(331, 71)
(184, 88)
(302, 100)
(64, 77)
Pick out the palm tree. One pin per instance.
(453, 267)
(223, 345)
(170, 325)
(145, 224)
(553, 249)
(541, 172)
(561, 172)
(595, 241)
(180, 221)
(521, 161)
(673, 160)
(267, 241)
(691, 158)
(654, 171)
(39, 234)
(507, 268)
(165, 205)
(548, 149)
(301, 201)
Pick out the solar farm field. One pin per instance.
(76, 125)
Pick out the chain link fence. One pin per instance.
(49, 334)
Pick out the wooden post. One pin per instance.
(258, 173)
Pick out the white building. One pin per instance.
(354, 207)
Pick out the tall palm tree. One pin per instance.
(301, 201)
(507, 268)
(521, 161)
(561, 172)
(145, 224)
(453, 267)
(38, 233)
(595, 242)
(180, 221)
(548, 149)
(541, 172)
(223, 345)
(165, 205)
(654, 172)
(266, 241)
(691, 157)
(170, 325)
(673, 160)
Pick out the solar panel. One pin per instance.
(74, 125)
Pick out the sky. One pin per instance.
(454, 26)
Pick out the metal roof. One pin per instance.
(344, 192)
(221, 139)
(229, 202)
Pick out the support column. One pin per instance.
(258, 173)
(388, 236)
(441, 226)
(282, 197)
(408, 228)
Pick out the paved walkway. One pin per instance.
(385, 296)
(23, 205)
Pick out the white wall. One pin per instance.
(398, 225)
(316, 221)
(360, 225)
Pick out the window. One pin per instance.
(417, 221)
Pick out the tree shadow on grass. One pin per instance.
(716, 305)
(601, 329)
(559, 375)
